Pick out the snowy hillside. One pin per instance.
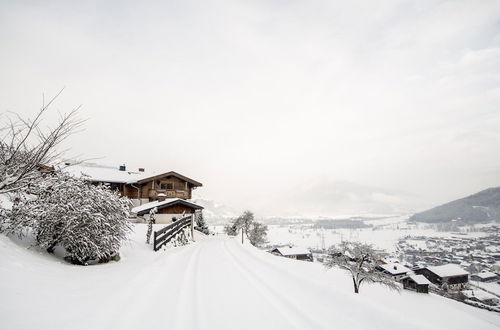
(215, 283)
(483, 206)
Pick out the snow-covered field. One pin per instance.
(214, 283)
(383, 234)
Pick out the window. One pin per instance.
(167, 186)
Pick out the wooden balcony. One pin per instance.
(153, 193)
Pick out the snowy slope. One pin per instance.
(215, 283)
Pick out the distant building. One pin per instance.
(450, 275)
(415, 282)
(396, 270)
(480, 296)
(484, 276)
(293, 252)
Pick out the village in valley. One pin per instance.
(452, 264)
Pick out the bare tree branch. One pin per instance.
(25, 146)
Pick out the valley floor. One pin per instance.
(214, 283)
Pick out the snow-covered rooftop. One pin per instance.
(96, 172)
(419, 279)
(479, 294)
(292, 250)
(447, 270)
(395, 268)
(148, 206)
(102, 173)
(485, 275)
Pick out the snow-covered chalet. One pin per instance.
(169, 192)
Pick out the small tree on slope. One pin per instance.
(254, 231)
(258, 234)
(201, 225)
(88, 221)
(360, 261)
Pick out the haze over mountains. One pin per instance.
(483, 206)
(325, 199)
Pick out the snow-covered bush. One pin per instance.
(201, 225)
(152, 220)
(360, 260)
(88, 221)
(231, 229)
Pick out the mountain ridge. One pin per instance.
(483, 206)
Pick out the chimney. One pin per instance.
(161, 197)
(123, 167)
(141, 169)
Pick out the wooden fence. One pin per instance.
(166, 234)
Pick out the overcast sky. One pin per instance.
(255, 97)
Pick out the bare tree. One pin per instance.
(25, 147)
(360, 260)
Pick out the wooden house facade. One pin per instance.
(170, 184)
(418, 283)
(166, 190)
(450, 275)
(293, 253)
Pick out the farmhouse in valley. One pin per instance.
(293, 252)
(170, 192)
(396, 270)
(484, 276)
(418, 283)
(450, 275)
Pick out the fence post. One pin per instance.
(154, 240)
(192, 227)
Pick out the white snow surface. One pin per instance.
(395, 268)
(150, 205)
(214, 283)
(420, 279)
(292, 250)
(486, 275)
(447, 270)
(103, 173)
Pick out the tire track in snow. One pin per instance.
(294, 313)
(187, 313)
(132, 303)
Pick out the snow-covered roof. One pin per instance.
(395, 268)
(479, 294)
(292, 250)
(485, 275)
(144, 208)
(419, 279)
(447, 270)
(101, 173)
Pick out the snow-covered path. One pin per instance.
(215, 283)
